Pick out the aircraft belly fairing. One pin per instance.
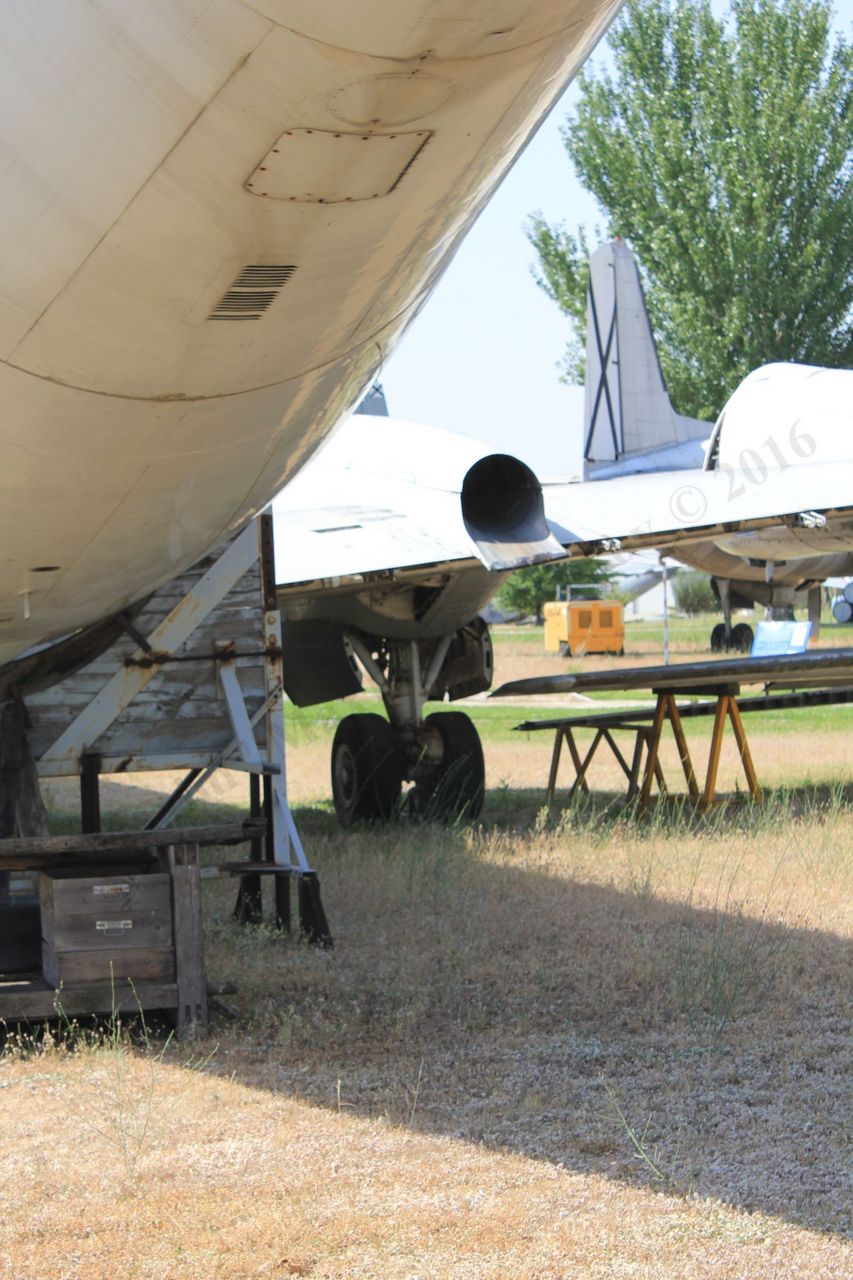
(176, 335)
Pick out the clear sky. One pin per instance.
(482, 357)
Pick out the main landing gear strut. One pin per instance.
(724, 637)
(440, 754)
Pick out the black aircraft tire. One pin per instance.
(718, 638)
(366, 776)
(741, 638)
(456, 787)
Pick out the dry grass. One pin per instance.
(453, 1090)
(557, 1047)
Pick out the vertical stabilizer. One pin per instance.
(629, 422)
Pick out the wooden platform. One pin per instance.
(28, 996)
(102, 858)
(79, 935)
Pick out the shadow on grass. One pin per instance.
(578, 987)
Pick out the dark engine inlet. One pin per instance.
(502, 501)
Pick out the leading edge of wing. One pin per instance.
(818, 667)
(668, 508)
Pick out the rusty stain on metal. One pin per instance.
(225, 655)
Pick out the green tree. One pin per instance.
(527, 590)
(693, 594)
(720, 150)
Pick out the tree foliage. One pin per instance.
(693, 593)
(720, 150)
(527, 590)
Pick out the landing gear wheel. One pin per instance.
(718, 638)
(455, 786)
(741, 638)
(366, 778)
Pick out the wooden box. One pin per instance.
(106, 928)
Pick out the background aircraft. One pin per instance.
(397, 535)
(782, 416)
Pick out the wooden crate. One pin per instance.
(106, 928)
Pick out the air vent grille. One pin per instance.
(252, 293)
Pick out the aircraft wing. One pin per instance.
(817, 667)
(664, 509)
(386, 496)
(351, 541)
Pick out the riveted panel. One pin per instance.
(313, 166)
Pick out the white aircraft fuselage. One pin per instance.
(782, 417)
(217, 217)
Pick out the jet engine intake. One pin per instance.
(504, 513)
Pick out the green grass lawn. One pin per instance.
(496, 722)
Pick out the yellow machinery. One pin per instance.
(584, 626)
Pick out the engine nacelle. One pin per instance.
(504, 513)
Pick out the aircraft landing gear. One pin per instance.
(739, 639)
(367, 770)
(440, 754)
(366, 777)
(451, 781)
(724, 637)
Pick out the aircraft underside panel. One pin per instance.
(711, 559)
(177, 333)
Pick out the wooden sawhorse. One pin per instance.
(644, 769)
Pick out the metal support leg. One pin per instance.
(248, 908)
(815, 596)
(283, 918)
(312, 917)
(724, 587)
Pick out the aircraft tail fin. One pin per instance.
(629, 422)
